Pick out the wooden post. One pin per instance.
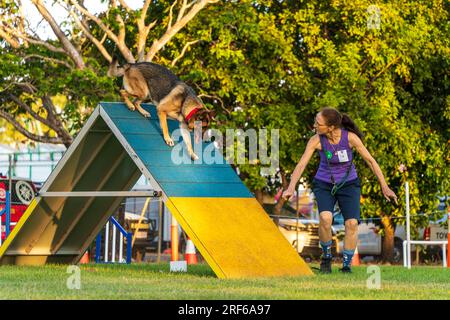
(160, 225)
(174, 239)
(144, 209)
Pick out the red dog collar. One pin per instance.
(194, 111)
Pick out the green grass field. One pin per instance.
(154, 281)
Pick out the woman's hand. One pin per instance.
(388, 194)
(287, 194)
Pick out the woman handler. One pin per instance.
(336, 180)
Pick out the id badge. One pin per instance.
(342, 155)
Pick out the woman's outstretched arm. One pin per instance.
(356, 142)
(301, 165)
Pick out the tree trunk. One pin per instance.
(259, 196)
(281, 201)
(388, 239)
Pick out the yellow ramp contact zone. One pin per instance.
(237, 238)
(18, 227)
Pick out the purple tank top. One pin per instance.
(339, 163)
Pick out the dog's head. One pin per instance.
(201, 115)
(115, 70)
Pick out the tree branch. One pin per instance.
(52, 121)
(172, 30)
(216, 98)
(183, 51)
(105, 36)
(28, 109)
(183, 9)
(72, 52)
(121, 36)
(143, 30)
(57, 125)
(13, 42)
(384, 69)
(22, 20)
(142, 39)
(171, 13)
(124, 5)
(97, 43)
(29, 88)
(144, 10)
(51, 111)
(48, 59)
(45, 139)
(120, 45)
(32, 40)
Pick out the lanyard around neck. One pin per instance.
(328, 156)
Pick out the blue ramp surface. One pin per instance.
(188, 179)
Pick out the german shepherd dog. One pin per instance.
(172, 97)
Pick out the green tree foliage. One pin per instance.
(36, 72)
(274, 64)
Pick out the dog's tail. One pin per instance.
(115, 70)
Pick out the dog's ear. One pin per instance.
(208, 119)
(204, 116)
(113, 69)
(115, 54)
(115, 59)
(212, 115)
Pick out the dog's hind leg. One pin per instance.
(134, 84)
(127, 101)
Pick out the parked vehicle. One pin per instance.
(370, 242)
(302, 233)
(438, 230)
(23, 192)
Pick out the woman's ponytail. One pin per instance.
(348, 124)
(334, 118)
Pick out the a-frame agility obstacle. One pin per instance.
(110, 153)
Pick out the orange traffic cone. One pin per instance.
(356, 261)
(85, 258)
(190, 255)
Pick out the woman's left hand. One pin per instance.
(388, 194)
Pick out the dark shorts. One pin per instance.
(348, 198)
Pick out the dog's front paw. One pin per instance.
(131, 107)
(146, 114)
(169, 141)
(194, 156)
